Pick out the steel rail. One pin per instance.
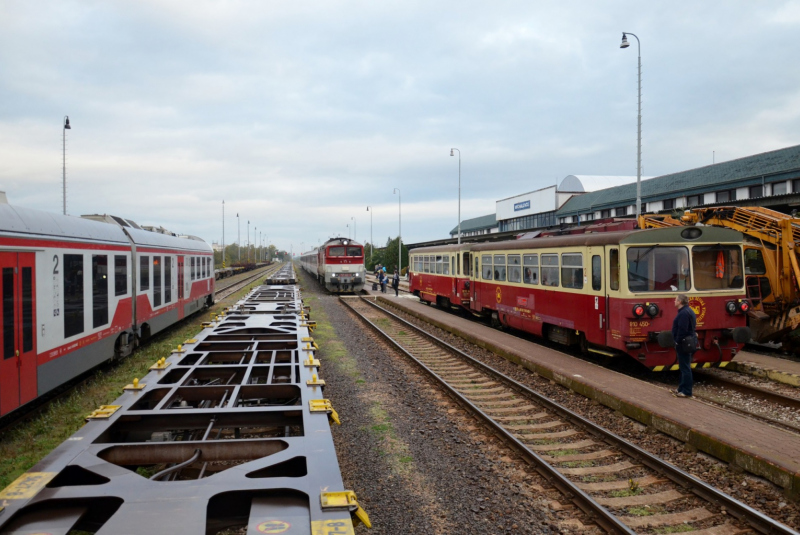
(755, 519)
(599, 514)
(236, 286)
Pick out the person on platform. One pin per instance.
(382, 279)
(683, 326)
(396, 283)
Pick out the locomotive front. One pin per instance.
(344, 266)
(704, 263)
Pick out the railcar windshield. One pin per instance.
(354, 251)
(658, 269)
(717, 267)
(336, 251)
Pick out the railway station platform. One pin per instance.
(762, 450)
(775, 368)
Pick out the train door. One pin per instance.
(613, 311)
(464, 280)
(18, 337)
(596, 326)
(180, 287)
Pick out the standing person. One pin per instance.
(396, 283)
(684, 326)
(383, 282)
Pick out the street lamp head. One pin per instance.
(451, 152)
(367, 208)
(66, 123)
(625, 43)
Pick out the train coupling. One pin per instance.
(740, 335)
(345, 500)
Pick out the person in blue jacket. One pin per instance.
(683, 325)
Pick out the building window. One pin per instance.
(779, 188)
(796, 185)
(726, 196)
(669, 204)
(756, 191)
(621, 212)
(605, 214)
(693, 200)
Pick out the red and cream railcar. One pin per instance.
(441, 274)
(338, 265)
(613, 293)
(75, 292)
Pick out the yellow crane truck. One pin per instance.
(772, 272)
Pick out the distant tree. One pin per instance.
(389, 255)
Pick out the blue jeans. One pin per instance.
(685, 367)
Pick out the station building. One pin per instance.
(770, 179)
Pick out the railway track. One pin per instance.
(235, 286)
(618, 485)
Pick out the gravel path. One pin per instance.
(416, 462)
(755, 492)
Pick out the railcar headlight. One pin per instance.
(638, 310)
(744, 306)
(652, 310)
(731, 307)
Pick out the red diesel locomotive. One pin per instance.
(338, 265)
(609, 292)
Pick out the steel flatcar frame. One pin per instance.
(599, 311)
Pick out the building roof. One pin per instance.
(749, 170)
(476, 223)
(597, 182)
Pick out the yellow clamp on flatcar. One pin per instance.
(315, 381)
(310, 341)
(190, 341)
(161, 364)
(135, 385)
(104, 412)
(345, 500)
(179, 350)
(324, 405)
(311, 362)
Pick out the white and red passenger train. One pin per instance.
(338, 265)
(608, 291)
(77, 291)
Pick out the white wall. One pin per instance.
(742, 193)
(543, 200)
(709, 198)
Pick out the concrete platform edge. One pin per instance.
(748, 461)
(758, 371)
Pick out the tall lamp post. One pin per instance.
(459, 192)
(399, 230)
(355, 226)
(371, 243)
(223, 233)
(625, 44)
(348, 231)
(239, 238)
(64, 161)
(248, 240)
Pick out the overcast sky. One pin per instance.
(300, 114)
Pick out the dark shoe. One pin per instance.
(681, 395)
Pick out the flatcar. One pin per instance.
(611, 293)
(338, 265)
(77, 291)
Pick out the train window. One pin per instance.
(167, 279)
(156, 281)
(457, 264)
(613, 266)
(499, 267)
(531, 269)
(550, 270)
(453, 264)
(717, 267)
(354, 251)
(446, 265)
(8, 313)
(27, 309)
(467, 264)
(597, 272)
(486, 262)
(754, 262)
(73, 294)
(192, 272)
(427, 264)
(572, 270)
(439, 264)
(144, 273)
(658, 269)
(514, 268)
(99, 290)
(476, 267)
(336, 251)
(120, 275)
